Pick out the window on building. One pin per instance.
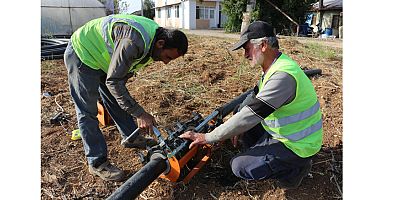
(169, 12)
(203, 12)
(158, 12)
(176, 7)
(335, 21)
(211, 13)
(200, 13)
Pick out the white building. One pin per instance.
(330, 16)
(189, 14)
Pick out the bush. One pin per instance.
(233, 9)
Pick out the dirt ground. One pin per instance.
(208, 76)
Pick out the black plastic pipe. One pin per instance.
(55, 54)
(230, 106)
(312, 72)
(140, 180)
(52, 52)
(53, 46)
(53, 57)
(54, 40)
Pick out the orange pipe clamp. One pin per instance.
(176, 165)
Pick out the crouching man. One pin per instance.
(279, 126)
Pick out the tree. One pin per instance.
(264, 11)
(296, 9)
(117, 6)
(234, 10)
(121, 6)
(148, 9)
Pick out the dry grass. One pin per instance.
(204, 79)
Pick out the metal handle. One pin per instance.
(159, 136)
(130, 136)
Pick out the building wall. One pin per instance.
(173, 22)
(160, 3)
(160, 20)
(166, 21)
(189, 14)
(205, 3)
(327, 17)
(202, 24)
(209, 22)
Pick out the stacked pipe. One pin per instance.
(53, 48)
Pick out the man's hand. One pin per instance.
(146, 121)
(198, 138)
(234, 140)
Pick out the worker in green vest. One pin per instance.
(100, 57)
(279, 125)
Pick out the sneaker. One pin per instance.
(296, 181)
(107, 172)
(140, 142)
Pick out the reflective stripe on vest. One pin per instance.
(110, 19)
(298, 124)
(294, 118)
(299, 135)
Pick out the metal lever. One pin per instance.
(159, 137)
(130, 136)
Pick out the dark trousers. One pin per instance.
(86, 86)
(263, 157)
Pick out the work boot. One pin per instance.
(140, 142)
(295, 182)
(107, 172)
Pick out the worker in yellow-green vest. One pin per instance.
(279, 125)
(100, 57)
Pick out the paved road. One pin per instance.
(336, 43)
(214, 32)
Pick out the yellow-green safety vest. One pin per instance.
(298, 125)
(94, 45)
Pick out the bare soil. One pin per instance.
(208, 76)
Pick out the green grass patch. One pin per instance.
(195, 89)
(242, 68)
(321, 51)
(48, 65)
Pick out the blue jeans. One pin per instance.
(264, 157)
(86, 86)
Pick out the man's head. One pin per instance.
(169, 45)
(258, 41)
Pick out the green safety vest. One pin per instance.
(94, 45)
(298, 125)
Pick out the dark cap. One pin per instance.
(257, 29)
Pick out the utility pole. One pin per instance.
(321, 12)
(247, 15)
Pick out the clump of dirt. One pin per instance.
(205, 78)
(212, 77)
